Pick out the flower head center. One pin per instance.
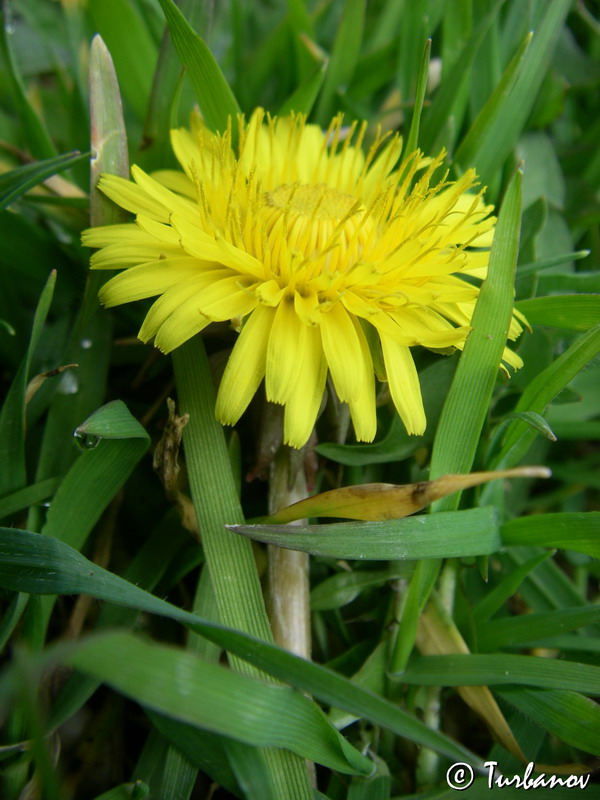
(312, 200)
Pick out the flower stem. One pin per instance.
(289, 606)
(228, 557)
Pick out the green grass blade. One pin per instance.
(568, 530)
(167, 86)
(570, 716)
(508, 586)
(90, 340)
(97, 475)
(201, 748)
(505, 130)
(543, 389)
(342, 61)
(574, 312)
(497, 669)
(212, 92)
(33, 129)
(303, 99)
(413, 134)
(530, 627)
(343, 587)
(230, 559)
(35, 563)
(301, 25)
(216, 698)
(397, 444)
(583, 281)
(457, 533)
(16, 182)
(131, 47)
(107, 134)
(468, 401)
(30, 495)
(467, 153)
(448, 97)
(12, 416)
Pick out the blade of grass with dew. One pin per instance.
(506, 128)
(12, 416)
(35, 563)
(468, 150)
(230, 560)
(570, 716)
(89, 344)
(16, 182)
(213, 93)
(131, 47)
(574, 312)
(543, 389)
(343, 58)
(90, 485)
(498, 668)
(567, 530)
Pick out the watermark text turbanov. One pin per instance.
(461, 775)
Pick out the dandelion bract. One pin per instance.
(328, 256)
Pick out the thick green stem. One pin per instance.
(229, 557)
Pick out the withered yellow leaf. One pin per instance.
(380, 501)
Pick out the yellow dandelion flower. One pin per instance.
(318, 251)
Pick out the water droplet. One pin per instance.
(85, 344)
(69, 383)
(86, 441)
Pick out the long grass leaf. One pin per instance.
(34, 563)
(457, 533)
(468, 401)
(342, 61)
(213, 94)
